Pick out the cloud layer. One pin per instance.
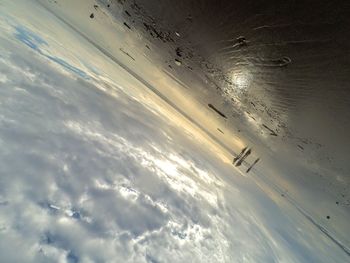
(92, 173)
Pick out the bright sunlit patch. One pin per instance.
(64, 220)
(102, 185)
(241, 79)
(129, 193)
(167, 167)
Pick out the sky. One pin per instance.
(96, 167)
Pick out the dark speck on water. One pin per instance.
(178, 62)
(241, 41)
(253, 164)
(127, 54)
(272, 132)
(217, 111)
(240, 155)
(247, 153)
(300, 147)
(125, 24)
(92, 15)
(178, 52)
(220, 130)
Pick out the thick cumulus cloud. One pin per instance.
(91, 174)
(87, 176)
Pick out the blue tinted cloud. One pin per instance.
(35, 42)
